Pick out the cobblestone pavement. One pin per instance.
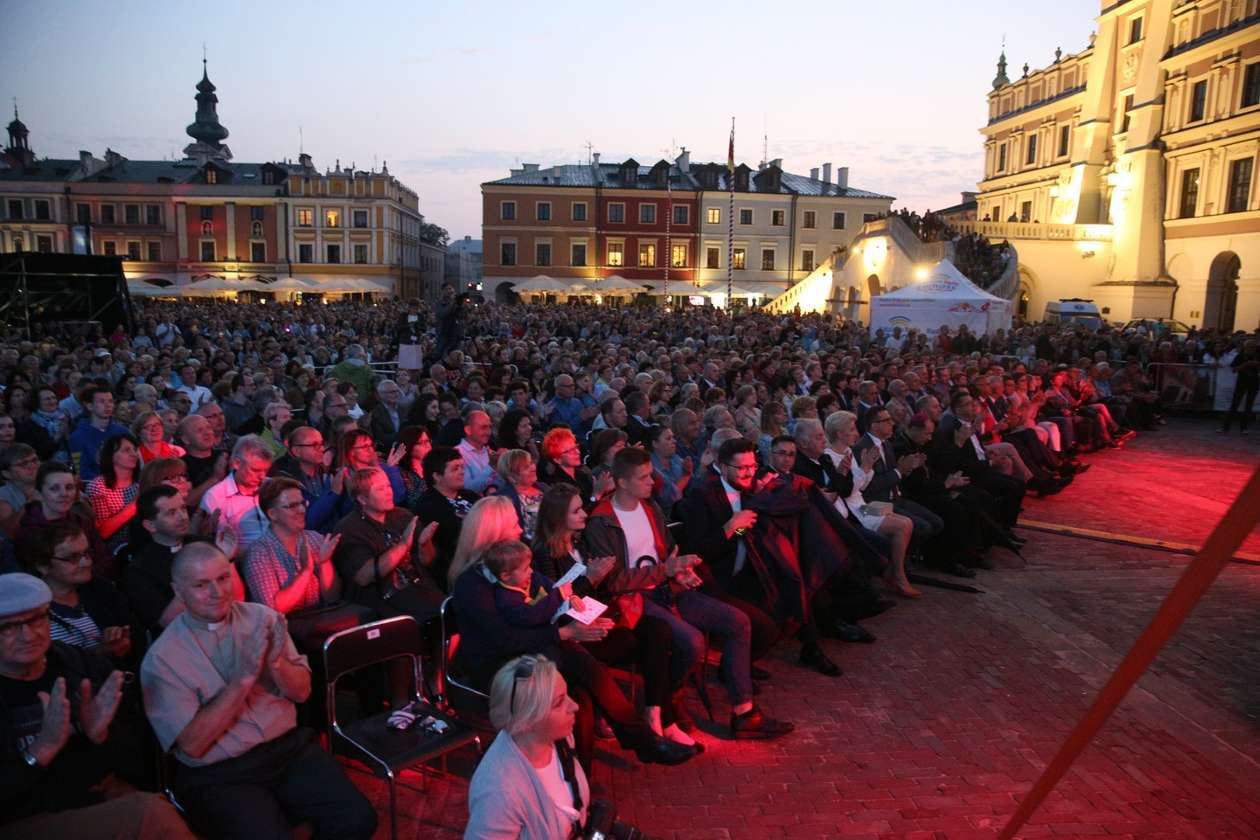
(936, 731)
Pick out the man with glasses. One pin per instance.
(385, 420)
(59, 737)
(324, 492)
(889, 469)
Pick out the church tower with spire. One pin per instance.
(206, 131)
(19, 150)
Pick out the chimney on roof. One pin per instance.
(826, 173)
(595, 159)
(529, 167)
(842, 177)
(777, 163)
(684, 161)
(305, 161)
(813, 174)
(968, 196)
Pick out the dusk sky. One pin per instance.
(452, 95)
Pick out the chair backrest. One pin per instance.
(368, 644)
(450, 633)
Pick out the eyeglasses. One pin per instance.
(783, 453)
(32, 461)
(293, 505)
(741, 467)
(12, 628)
(524, 670)
(319, 444)
(83, 558)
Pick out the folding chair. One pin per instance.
(368, 738)
(475, 701)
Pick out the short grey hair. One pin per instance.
(252, 445)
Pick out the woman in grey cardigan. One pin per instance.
(529, 785)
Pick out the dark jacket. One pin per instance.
(487, 638)
(324, 507)
(108, 607)
(604, 537)
(884, 485)
(434, 507)
(382, 428)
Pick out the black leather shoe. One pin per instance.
(658, 750)
(847, 631)
(752, 725)
(759, 673)
(814, 657)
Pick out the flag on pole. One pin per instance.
(730, 151)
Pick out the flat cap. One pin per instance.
(20, 592)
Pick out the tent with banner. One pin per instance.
(945, 297)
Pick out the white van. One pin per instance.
(1074, 311)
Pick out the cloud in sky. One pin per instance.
(452, 95)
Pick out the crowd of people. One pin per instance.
(189, 507)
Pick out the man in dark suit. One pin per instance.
(889, 470)
(868, 399)
(957, 448)
(638, 426)
(717, 518)
(385, 421)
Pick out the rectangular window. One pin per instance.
(682, 215)
(507, 211)
(1065, 140)
(616, 254)
(869, 217)
(334, 254)
(647, 255)
(1189, 193)
(767, 259)
(1128, 106)
(616, 213)
(212, 176)
(41, 210)
(258, 252)
(83, 213)
(837, 220)
(579, 212)
(360, 218)
(111, 247)
(360, 253)
(332, 218)
(1135, 30)
(131, 214)
(1251, 86)
(739, 258)
(1031, 157)
(1025, 211)
(577, 253)
(543, 209)
(713, 258)
(1198, 101)
(133, 250)
(507, 253)
(542, 253)
(807, 259)
(256, 214)
(152, 214)
(713, 215)
(1001, 167)
(647, 214)
(1239, 185)
(777, 218)
(43, 244)
(306, 217)
(678, 256)
(155, 252)
(107, 214)
(207, 213)
(745, 216)
(809, 220)
(207, 250)
(306, 252)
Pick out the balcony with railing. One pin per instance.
(997, 231)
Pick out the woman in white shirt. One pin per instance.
(842, 433)
(529, 785)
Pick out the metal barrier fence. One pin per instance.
(1188, 387)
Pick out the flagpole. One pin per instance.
(669, 218)
(730, 226)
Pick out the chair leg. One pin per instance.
(393, 810)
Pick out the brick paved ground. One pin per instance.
(936, 731)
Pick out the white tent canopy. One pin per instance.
(541, 283)
(944, 298)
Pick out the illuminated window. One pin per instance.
(616, 254)
(678, 256)
(332, 218)
(739, 258)
(713, 216)
(305, 217)
(647, 255)
(212, 176)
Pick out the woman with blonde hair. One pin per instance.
(528, 784)
(842, 433)
(490, 520)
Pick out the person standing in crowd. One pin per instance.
(93, 430)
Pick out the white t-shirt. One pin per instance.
(552, 778)
(640, 541)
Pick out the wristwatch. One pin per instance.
(29, 758)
